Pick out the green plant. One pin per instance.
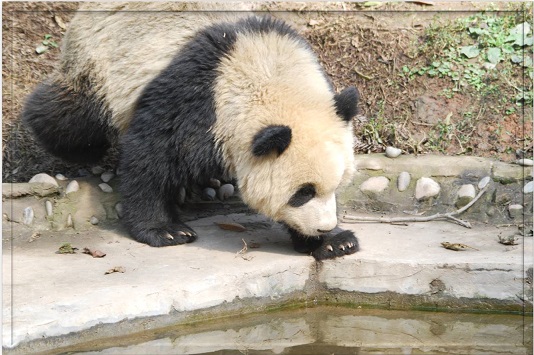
(473, 51)
(46, 44)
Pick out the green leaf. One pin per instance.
(494, 55)
(470, 51)
(47, 36)
(516, 59)
(528, 62)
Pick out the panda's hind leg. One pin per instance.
(72, 124)
(332, 245)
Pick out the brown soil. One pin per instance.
(357, 46)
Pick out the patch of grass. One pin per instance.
(474, 51)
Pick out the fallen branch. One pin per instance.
(447, 216)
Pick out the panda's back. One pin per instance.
(121, 47)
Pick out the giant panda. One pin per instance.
(197, 94)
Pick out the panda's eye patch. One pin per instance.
(303, 195)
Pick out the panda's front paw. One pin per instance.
(167, 235)
(333, 246)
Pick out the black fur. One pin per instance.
(72, 125)
(343, 242)
(303, 195)
(347, 103)
(168, 143)
(271, 138)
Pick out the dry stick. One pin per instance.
(356, 219)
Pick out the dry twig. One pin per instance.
(437, 216)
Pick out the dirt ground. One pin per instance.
(370, 45)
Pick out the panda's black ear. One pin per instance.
(271, 138)
(347, 103)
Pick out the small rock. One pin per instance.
(515, 211)
(484, 182)
(208, 194)
(529, 187)
(107, 176)
(119, 209)
(403, 181)
(70, 223)
(181, 195)
(105, 187)
(93, 220)
(97, 170)
(525, 162)
(465, 194)
(375, 184)
(27, 216)
(426, 188)
(392, 152)
(225, 191)
(60, 177)
(48, 208)
(215, 183)
(73, 186)
(44, 178)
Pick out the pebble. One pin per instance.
(426, 188)
(70, 224)
(119, 209)
(27, 216)
(60, 177)
(208, 194)
(375, 184)
(529, 187)
(225, 191)
(97, 170)
(44, 178)
(515, 211)
(465, 194)
(93, 220)
(215, 183)
(392, 152)
(403, 181)
(107, 176)
(73, 186)
(105, 187)
(525, 162)
(49, 208)
(484, 182)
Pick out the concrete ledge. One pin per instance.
(56, 295)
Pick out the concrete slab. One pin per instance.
(47, 294)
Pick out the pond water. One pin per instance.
(333, 330)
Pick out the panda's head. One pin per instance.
(296, 168)
(280, 129)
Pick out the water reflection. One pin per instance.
(340, 331)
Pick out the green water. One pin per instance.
(330, 330)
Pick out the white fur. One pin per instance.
(158, 30)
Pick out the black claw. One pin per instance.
(328, 246)
(346, 243)
(166, 235)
